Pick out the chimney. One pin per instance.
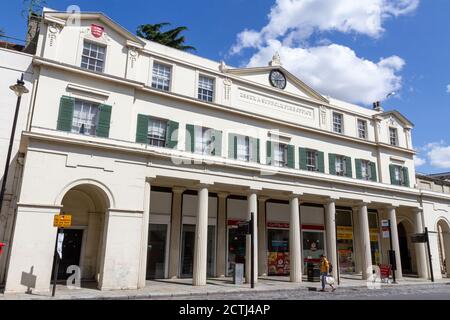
(377, 106)
(34, 21)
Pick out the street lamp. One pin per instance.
(19, 89)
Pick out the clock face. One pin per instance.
(277, 79)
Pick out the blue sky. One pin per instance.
(358, 55)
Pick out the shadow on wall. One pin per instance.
(28, 280)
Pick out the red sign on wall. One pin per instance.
(96, 30)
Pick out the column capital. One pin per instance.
(263, 198)
(222, 194)
(417, 210)
(331, 200)
(252, 191)
(296, 195)
(178, 189)
(202, 186)
(362, 204)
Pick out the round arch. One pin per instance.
(443, 238)
(102, 191)
(87, 201)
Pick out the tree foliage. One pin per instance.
(171, 38)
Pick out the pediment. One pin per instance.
(66, 18)
(395, 116)
(294, 85)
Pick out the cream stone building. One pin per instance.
(159, 154)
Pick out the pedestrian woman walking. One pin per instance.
(324, 271)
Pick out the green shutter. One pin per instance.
(320, 161)
(232, 145)
(65, 116)
(258, 148)
(348, 169)
(104, 121)
(172, 134)
(392, 172)
(373, 171)
(269, 152)
(332, 163)
(291, 156)
(406, 177)
(302, 158)
(190, 138)
(358, 169)
(217, 143)
(142, 128)
(254, 147)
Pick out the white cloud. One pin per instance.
(437, 154)
(419, 161)
(333, 69)
(336, 70)
(448, 88)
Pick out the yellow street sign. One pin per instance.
(62, 220)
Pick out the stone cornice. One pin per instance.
(126, 147)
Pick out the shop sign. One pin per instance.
(62, 220)
(278, 225)
(419, 238)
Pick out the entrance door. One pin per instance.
(236, 248)
(187, 251)
(71, 251)
(404, 250)
(156, 251)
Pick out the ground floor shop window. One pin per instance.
(236, 246)
(188, 247)
(156, 251)
(345, 249)
(374, 230)
(344, 241)
(278, 251)
(313, 245)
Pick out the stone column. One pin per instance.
(366, 254)
(201, 238)
(421, 254)
(395, 243)
(221, 262)
(175, 232)
(330, 226)
(295, 251)
(262, 237)
(252, 200)
(144, 236)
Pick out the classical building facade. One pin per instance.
(159, 155)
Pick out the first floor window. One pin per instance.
(243, 148)
(338, 122)
(362, 129)
(85, 117)
(157, 129)
(93, 57)
(280, 155)
(161, 75)
(340, 165)
(203, 140)
(311, 160)
(398, 172)
(205, 88)
(366, 171)
(393, 139)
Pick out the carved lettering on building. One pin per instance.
(253, 98)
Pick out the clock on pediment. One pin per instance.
(277, 79)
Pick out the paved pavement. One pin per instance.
(266, 288)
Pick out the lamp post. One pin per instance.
(19, 89)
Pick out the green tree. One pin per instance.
(171, 38)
